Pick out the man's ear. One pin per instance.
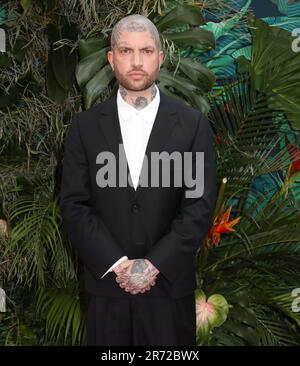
(161, 58)
(110, 59)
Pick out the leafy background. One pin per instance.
(232, 60)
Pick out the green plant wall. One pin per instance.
(221, 58)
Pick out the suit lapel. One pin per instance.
(165, 121)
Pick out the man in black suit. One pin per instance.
(137, 241)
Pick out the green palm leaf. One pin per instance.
(65, 317)
(35, 245)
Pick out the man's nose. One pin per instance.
(137, 59)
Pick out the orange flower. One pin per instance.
(221, 225)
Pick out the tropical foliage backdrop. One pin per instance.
(234, 61)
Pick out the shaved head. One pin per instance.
(135, 23)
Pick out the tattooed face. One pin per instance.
(135, 60)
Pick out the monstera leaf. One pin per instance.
(182, 78)
(275, 69)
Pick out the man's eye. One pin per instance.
(124, 50)
(148, 52)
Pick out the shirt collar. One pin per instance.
(148, 113)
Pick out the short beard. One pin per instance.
(128, 85)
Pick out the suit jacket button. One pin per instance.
(135, 207)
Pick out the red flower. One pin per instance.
(295, 158)
(221, 225)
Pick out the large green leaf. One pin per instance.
(240, 327)
(181, 15)
(276, 69)
(90, 65)
(184, 89)
(61, 63)
(55, 91)
(92, 45)
(196, 38)
(96, 85)
(197, 72)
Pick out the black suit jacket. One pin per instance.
(157, 223)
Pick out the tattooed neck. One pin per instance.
(138, 101)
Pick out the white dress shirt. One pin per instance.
(136, 126)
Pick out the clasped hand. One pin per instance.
(136, 275)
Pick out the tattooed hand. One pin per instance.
(136, 276)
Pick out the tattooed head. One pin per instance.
(136, 54)
(135, 23)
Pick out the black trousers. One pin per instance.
(141, 321)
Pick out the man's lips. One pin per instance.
(136, 74)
